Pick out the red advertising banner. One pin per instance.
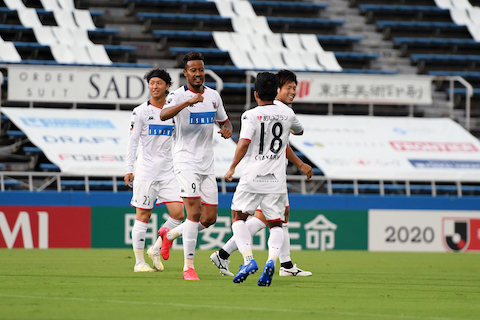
(45, 227)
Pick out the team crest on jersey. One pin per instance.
(214, 104)
(132, 124)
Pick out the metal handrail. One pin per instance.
(306, 186)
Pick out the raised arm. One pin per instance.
(171, 112)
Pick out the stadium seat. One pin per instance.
(8, 52)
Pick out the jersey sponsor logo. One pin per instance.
(270, 177)
(202, 117)
(267, 157)
(150, 118)
(278, 117)
(160, 130)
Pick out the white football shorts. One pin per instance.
(271, 204)
(145, 192)
(194, 185)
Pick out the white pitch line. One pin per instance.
(243, 308)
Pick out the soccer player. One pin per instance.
(195, 108)
(263, 143)
(154, 176)
(285, 94)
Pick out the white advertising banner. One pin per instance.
(80, 84)
(364, 88)
(91, 142)
(389, 148)
(423, 230)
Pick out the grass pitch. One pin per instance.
(101, 284)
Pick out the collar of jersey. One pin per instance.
(186, 89)
(148, 103)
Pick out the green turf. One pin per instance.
(101, 284)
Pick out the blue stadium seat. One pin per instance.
(32, 150)
(385, 8)
(415, 25)
(49, 167)
(445, 58)
(16, 134)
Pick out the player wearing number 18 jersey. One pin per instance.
(263, 142)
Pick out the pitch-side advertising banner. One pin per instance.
(92, 142)
(389, 148)
(352, 88)
(45, 227)
(423, 230)
(80, 84)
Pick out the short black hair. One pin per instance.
(284, 76)
(192, 55)
(160, 73)
(266, 86)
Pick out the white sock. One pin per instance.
(175, 232)
(190, 233)
(230, 246)
(285, 251)
(171, 223)
(243, 238)
(158, 244)
(138, 240)
(275, 241)
(178, 231)
(253, 224)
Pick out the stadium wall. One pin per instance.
(318, 222)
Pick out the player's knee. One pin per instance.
(208, 221)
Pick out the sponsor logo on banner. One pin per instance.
(389, 148)
(313, 229)
(417, 146)
(461, 234)
(423, 230)
(80, 84)
(303, 89)
(44, 227)
(339, 88)
(445, 164)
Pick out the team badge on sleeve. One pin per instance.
(132, 124)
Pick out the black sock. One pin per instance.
(287, 265)
(223, 254)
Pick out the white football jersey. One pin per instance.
(194, 125)
(268, 128)
(153, 139)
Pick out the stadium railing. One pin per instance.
(56, 181)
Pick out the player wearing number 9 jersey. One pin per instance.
(263, 143)
(195, 108)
